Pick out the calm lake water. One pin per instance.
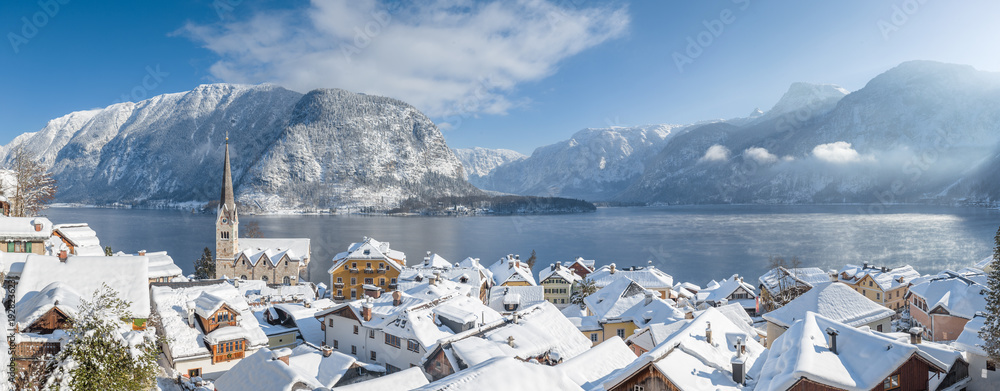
(693, 243)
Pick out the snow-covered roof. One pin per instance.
(86, 275)
(434, 260)
(23, 228)
(981, 265)
(502, 374)
(587, 263)
(326, 370)
(473, 276)
(590, 368)
(260, 371)
(959, 295)
(886, 280)
(474, 263)
(407, 379)
(560, 271)
(540, 329)
(625, 300)
(691, 363)
(207, 304)
(258, 290)
(226, 334)
(835, 301)
(296, 248)
(648, 277)
(305, 320)
(510, 269)
(790, 277)
(171, 303)
(56, 294)
(738, 315)
(80, 235)
(726, 288)
(862, 362)
(656, 333)
(160, 264)
(274, 256)
(524, 296)
(969, 340)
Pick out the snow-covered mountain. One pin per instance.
(920, 131)
(323, 149)
(595, 164)
(907, 136)
(479, 162)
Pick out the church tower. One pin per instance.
(227, 224)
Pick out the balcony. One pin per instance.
(381, 271)
(369, 271)
(353, 270)
(338, 297)
(338, 285)
(392, 287)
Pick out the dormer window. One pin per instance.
(368, 252)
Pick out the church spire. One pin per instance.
(227, 199)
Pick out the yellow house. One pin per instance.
(368, 265)
(558, 283)
(620, 309)
(510, 271)
(882, 285)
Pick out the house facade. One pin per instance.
(941, 305)
(558, 282)
(24, 234)
(367, 265)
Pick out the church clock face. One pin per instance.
(224, 220)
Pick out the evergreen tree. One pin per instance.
(531, 260)
(990, 333)
(107, 251)
(102, 351)
(581, 290)
(204, 267)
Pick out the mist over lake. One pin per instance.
(692, 243)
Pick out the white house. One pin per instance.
(835, 301)
(510, 271)
(649, 277)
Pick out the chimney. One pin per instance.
(427, 259)
(865, 266)
(916, 334)
(366, 310)
(689, 314)
(552, 266)
(739, 363)
(38, 226)
(510, 341)
(62, 256)
(649, 298)
(397, 298)
(142, 253)
(832, 332)
(281, 355)
(190, 313)
(327, 351)
(612, 268)
(708, 333)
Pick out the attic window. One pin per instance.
(368, 252)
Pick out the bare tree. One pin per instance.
(34, 187)
(252, 230)
(789, 286)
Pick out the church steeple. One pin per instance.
(227, 183)
(227, 224)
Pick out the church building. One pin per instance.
(274, 261)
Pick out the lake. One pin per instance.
(692, 243)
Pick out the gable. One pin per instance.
(346, 312)
(53, 319)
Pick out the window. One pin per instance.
(354, 294)
(638, 388)
(340, 280)
(354, 350)
(392, 281)
(354, 281)
(368, 265)
(331, 322)
(243, 277)
(340, 292)
(373, 356)
(370, 281)
(593, 337)
(412, 346)
(381, 281)
(878, 328)
(355, 329)
(381, 265)
(286, 280)
(621, 333)
(354, 265)
(371, 334)
(392, 340)
(891, 382)
(264, 279)
(878, 296)
(336, 344)
(194, 372)
(991, 365)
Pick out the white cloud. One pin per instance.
(760, 155)
(716, 153)
(839, 152)
(447, 57)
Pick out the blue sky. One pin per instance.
(514, 75)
